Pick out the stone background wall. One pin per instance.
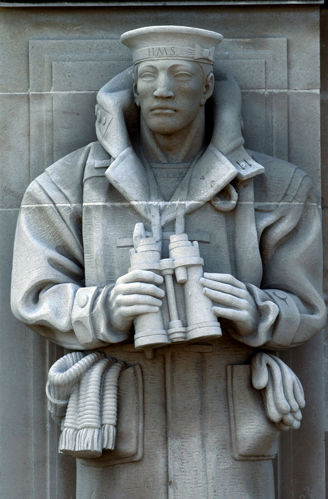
(52, 62)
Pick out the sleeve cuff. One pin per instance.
(288, 320)
(268, 313)
(90, 318)
(278, 322)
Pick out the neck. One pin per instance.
(182, 146)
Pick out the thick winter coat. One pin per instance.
(74, 233)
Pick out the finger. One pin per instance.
(260, 373)
(283, 427)
(298, 415)
(270, 406)
(226, 278)
(127, 300)
(278, 388)
(224, 299)
(140, 288)
(299, 393)
(135, 310)
(288, 419)
(291, 423)
(141, 276)
(296, 425)
(230, 314)
(288, 378)
(223, 287)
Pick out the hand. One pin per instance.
(232, 301)
(135, 293)
(282, 391)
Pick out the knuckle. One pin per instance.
(118, 301)
(235, 302)
(122, 278)
(244, 315)
(135, 299)
(134, 275)
(118, 290)
(153, 289)
(217, 311)
(139, 287)
(133, 310)
(244, 305)
(125, 311)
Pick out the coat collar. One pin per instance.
(223, 160)
(209, 175)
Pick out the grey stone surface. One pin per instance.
(14, 150)
(298, 26)
(75, 65)
(303, 48)
(16, 412)
(304, 127)
(101, 311)
(298, 470)
(259, 65)
(27, 468)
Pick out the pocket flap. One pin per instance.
(253, 436)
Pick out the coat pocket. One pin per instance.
(253, 436)
(130, 421)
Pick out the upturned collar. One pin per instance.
(224, 159)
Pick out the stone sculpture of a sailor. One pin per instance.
(167, 256)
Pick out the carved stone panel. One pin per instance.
(51, 75)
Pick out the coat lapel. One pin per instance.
(127, 174)
(223, 160)
(209, 175)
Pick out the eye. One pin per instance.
(183, 75)
(147, 75)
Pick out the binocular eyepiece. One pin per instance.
(184, 267)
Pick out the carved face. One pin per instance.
(170, 93)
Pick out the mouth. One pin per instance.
(163, 110)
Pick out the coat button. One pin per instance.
(82, 300)
(280, 294)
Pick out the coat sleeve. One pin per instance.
(290, 303)
(48, 292)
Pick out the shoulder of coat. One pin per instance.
(64, 178)
(281, 181)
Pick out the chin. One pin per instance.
(164, 126)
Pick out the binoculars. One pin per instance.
(184, 267)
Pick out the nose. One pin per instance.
(163, 87)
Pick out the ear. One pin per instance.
(135, 93)
(208, 88)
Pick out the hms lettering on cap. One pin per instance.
(180, 42)
(161, 51)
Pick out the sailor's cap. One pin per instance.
(171, 42)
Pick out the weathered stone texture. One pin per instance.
(52, 62)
